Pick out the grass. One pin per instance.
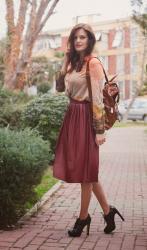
(129, 124)
(46, 183)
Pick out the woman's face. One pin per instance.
(80, 40)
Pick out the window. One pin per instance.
(40, 45)
(52, 43)
(121, 89)
(55, 42)
(133, 37)
(133, 87)
(104, 60)
(120, 63)
(98, 35)
(134, 63)
(58, 41)
(142, 104)
(45, 45)
(118, 39)
(104, 40)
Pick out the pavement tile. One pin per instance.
(123, 174)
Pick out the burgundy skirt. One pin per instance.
(76, 153)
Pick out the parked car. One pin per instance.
(138, 110)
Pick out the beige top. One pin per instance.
(76, 88)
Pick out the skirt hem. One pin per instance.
(75, 181)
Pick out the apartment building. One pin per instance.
(120, 46)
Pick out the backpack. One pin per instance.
(60, 84)
(110, 98)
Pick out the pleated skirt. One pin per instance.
(76, 152)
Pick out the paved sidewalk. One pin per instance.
(123, 171)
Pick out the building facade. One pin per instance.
(119, 45)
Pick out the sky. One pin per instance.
(67, 9)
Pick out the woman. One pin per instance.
(77, 148)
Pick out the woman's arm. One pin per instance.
(97, 78)
(65, 64)
(60, 75)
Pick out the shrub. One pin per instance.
(11, 105)
(10, 116)
(8, 97)
(59, 54)
(43, 87)
(45, 114)
(42, 71)
(23, 159)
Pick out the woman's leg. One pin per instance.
(109, 211)
(86, 191)
(84, 217)
(100, 195)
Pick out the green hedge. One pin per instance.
(45, 114)
(24, 156)
(8, 97)
(11, 105)
(10, 116)
(43, 87)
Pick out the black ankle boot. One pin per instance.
(109, 219)
(78, 227)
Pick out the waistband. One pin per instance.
(78, 101)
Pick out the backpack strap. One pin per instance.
(89, 83)
(88, 77)
(89, 88)
(88, 80)
(88, 71)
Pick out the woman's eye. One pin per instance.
(81, 37)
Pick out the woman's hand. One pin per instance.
(100, 139)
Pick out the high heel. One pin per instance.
(88, 228)
(109, 219)
(79, 226)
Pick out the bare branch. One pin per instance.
(31, 25)
(40, 12)
(30, 2)
(50, 12)
(30, 29)
(136, 2)
(22, 15)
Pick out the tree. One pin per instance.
(138, 17)
(141, 19)
(2, 49)
(42, 71)
(22, 36)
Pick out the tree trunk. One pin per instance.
(14, 41)
(20, 45)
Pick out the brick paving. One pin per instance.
(123, 173)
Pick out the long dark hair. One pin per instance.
(74, 58)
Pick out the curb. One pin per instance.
(41, 202)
